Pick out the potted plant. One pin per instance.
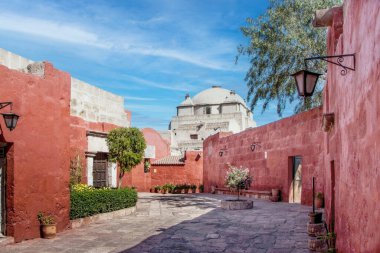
(318, 200)
(178, 189)
(186, 188)
(193, 188)
(238, 179)
(201, 188)
(48, 225)
(157, 188)
(164, 189)
(315, 217)
(275, 195)
(170, 188)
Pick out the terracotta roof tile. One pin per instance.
(170, 160)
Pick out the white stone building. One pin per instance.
(210, 111)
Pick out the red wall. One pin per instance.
(78, 138)
(189, 173)
(353, 145)
(299, 135)
(38, 153)
(137, 177)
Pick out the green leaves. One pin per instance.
(90, 201)
(126, 147)
(279, 41)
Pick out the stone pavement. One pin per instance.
(185, 223)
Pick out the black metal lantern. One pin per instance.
(306, 82)
(10, 120)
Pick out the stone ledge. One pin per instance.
(77, 223)
(236, 204)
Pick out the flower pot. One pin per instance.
(275, 192)
(318, 245)
(48, 231)
(163, 191)
(315, 217)
(318, 202)
(186, 190)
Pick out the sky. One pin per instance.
(151, 52)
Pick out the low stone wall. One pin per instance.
(101, 217)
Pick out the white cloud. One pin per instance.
(70, 33)
(139, 98)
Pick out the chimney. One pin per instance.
(187, 96)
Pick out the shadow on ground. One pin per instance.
(269, 227)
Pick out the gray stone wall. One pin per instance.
(97, 105)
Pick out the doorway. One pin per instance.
(100, 170)
(295, 191)
(2, 193)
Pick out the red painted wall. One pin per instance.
(189, 173)
(353, 145)
(299, 135)
(39, 149)
(137, 177)
(78, 138)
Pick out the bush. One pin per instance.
(87, 201)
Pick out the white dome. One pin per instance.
(216, 95)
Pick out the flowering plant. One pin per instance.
(238, 178)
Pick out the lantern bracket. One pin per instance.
(5, 104)
(337, 60)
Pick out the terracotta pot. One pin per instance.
(315, 217)
(193, 190)
(186, 190)
(318, 202)
(163, 191)
(48, 231)
(318, 245)
(275, 192)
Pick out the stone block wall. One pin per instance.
(270, 163)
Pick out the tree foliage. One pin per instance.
(279, 41)
(126, 147)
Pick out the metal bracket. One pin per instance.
(5, 104)
(339, 59)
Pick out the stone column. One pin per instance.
(90, 163)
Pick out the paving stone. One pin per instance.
(185, 223)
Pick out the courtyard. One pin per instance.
(185, 223)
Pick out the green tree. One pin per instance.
(279, 40)
(126, 147)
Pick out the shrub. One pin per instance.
(45, 219)
(87, 201)
(157, 188)
(238, 178)
(201, 188)
(168, 187)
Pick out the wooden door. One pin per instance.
(2, 195)
(100, 170)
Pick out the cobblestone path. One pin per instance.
(185, 223)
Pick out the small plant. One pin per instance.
(186, 188)
(319, 195)
(201, 188)
(169, 187)
(178, 188)
(193, 188)
(238, 178)
(146, 166)
(45, 219)
(157, 188)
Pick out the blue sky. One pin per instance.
(150, 52)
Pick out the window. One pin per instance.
(208, 110)
(194, 136)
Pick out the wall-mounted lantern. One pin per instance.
(254, 145)
(221, 152)
(10, 118)
(307, 80)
